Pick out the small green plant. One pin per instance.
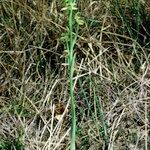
(73, 18)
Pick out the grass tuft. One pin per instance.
(79, 67)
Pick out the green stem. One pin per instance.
(71, 60)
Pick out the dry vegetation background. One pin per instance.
(112, 75)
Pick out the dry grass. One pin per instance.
(112, 77)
